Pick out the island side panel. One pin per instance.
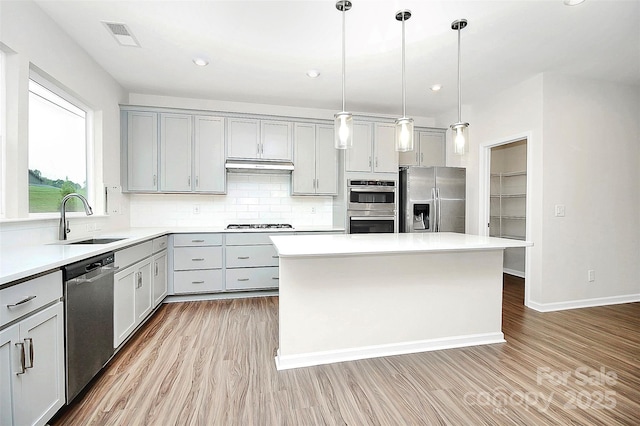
(347, 303)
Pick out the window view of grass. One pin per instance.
(45, 194)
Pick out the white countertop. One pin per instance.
(359, 244)
(21, 262)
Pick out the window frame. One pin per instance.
(54, 88)
(3, 131)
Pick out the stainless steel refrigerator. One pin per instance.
(432, 199)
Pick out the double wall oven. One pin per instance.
(371, 206)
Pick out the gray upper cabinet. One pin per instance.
(173, 152)
(429, 149)
(209, 174)
(373, 149)
(259, 139)
(315, 159)
(140, 134)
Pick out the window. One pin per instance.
(58, 142)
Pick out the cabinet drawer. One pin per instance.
(133, 254)
(251, 239)
(197, 281)
(252, 278)
(160, 243)
(197, 240)
(251, 256)
(33, 294)
(197, 258)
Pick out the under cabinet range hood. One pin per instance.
(259, 166)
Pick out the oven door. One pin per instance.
(362, 223)
(371, 198)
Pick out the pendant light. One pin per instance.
(404, 125)
(343, 124)
(459, 129)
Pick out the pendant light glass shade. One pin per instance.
(460, 129)
(404, 125)
(343, 121)
(343, 130)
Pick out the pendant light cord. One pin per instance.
(343, 55)
(404, 90)
(459, 97)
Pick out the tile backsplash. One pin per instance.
(250, 198)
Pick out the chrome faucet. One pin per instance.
(64, 223)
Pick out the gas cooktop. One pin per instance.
(259, 226)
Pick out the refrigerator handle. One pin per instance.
(433, 216)
(438, 208)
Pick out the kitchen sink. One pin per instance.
(97, 241)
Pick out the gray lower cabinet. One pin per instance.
(32, 373)
(251, 262)
(197, 263)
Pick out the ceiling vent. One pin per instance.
(122, 34)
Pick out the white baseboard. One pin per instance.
(194, 297)
(514, 272)
(318, 358)
(585, 303)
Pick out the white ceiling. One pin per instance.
(260, 50)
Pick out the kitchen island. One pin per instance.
(355, 296)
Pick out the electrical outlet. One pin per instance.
(591, 275)
(196, 209)
(559, 210)
(313, 210)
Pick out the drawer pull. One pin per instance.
(25, 300)
(197, 241)
(275, 257)
(197, 282)
(275, 278)
(243, 257)
(243, 279)
(22, 366)
(198, 259)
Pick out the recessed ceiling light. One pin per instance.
(201, 62)
(573, 2)
(436, 87)
(313, 73)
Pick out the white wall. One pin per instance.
(31, 37)
(592, 166)
(583, 142)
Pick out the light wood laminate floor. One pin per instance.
(212, 363)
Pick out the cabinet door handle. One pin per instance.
(139, 282)
(30, 341)
(189, 181)
(197, 241)
(243, 257)
(417, 157)
(23, 369)
(197, 282)
(376, 161)
(20, 302)
(155, 180)
(156, 269)
(369, 161)
(243, 279)
(422, 157)
(198, 259)
(197, 181)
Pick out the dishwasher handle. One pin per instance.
(106, 270)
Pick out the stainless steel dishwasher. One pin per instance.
(88, 306)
